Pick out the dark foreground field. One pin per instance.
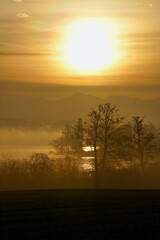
(80, 214)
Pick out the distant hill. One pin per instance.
(132, 106)
(46, 111)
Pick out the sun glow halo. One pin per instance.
(91, 46)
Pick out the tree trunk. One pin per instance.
(104, 153)
(141, 159)
(96, 166)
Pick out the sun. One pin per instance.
(91, 46)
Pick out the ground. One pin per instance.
(80, 214)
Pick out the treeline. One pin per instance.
(42, 172)
(113, 140)
(102, 151)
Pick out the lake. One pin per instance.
(23, 151)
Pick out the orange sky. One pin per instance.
(32, 34)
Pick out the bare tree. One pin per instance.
(142, 140)
(67, 137)
(110, 122)
(101, 129)
(92, 126)
(65, 142)
(124, 148)
(78, 136)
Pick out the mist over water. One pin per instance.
(21, 143)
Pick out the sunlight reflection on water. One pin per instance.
(22, 152)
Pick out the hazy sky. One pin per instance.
(33, 34)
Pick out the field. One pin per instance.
(80, 214)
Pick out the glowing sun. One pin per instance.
(91, 46)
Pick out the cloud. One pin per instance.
(24, 54)
(22, 15)
(150, 5)
(18, 1)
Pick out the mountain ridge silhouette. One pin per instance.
(43, 110)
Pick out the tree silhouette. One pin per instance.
(78, 136)
(92, 128)
(64, 144)
(124, 147)
(143, 141)
(101, 128)
(110, 122)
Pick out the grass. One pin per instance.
(80, 214)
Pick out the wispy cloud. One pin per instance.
(22, 15)
(24, 54)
